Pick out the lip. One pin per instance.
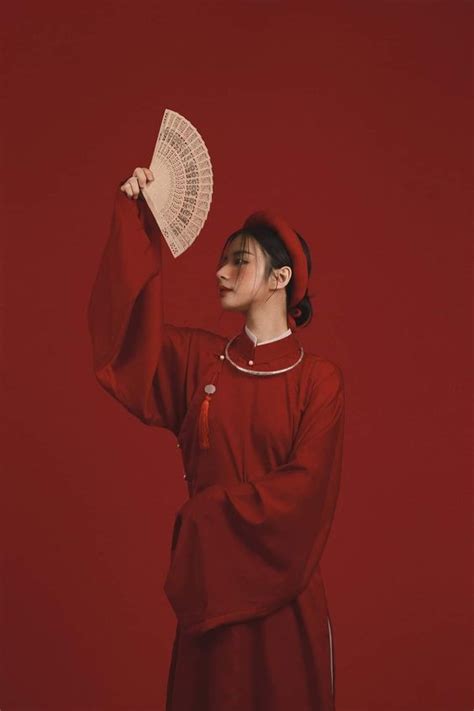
(223, 289)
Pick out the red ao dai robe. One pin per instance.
(253, 630)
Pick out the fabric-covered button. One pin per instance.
(210, 388)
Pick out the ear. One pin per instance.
(282, 276)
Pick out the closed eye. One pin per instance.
(237, 260)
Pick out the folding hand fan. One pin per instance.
(180, 195)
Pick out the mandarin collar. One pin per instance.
(253, 337)
(276, 354)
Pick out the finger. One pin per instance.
(127, 188)
(139, 174)
(149, 174)
(133, 182)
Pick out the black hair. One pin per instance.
(276, 256)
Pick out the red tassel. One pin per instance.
(204, 423)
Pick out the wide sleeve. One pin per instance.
(245, 550)
(137, 358)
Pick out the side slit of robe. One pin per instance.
(331, 656)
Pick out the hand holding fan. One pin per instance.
(180, 195)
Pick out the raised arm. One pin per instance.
(243, 551)
(138, 359)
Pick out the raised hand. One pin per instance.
(139, 179)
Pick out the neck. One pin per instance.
(265, 330)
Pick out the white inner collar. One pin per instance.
(253, 337)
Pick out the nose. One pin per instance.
(221, 275)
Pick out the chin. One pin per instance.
(231, 307)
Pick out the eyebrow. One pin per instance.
(241, 251)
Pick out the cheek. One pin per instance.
(254, 278)
(247, 278)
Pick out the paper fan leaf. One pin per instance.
(180, 195)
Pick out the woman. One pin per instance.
(260, 425)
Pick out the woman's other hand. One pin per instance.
(140, 178)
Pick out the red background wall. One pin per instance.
(352, 119)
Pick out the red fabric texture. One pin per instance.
(253, 629)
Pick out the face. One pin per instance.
(248, 285)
